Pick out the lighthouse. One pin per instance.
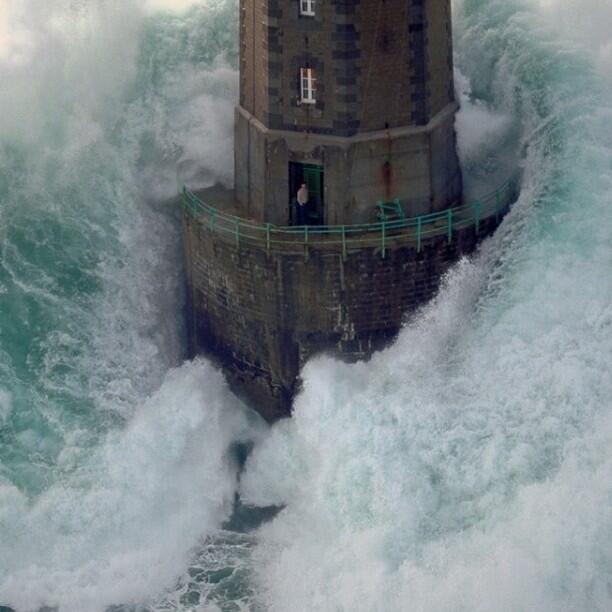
(355, 98)
(347, 207)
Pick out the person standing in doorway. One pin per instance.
(302, 204)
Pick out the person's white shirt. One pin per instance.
(302, 195)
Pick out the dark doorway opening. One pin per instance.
(311, 175)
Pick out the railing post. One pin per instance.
(187, 203)
(384, 239)
(190, 203)
(434, 223)
(212, 220)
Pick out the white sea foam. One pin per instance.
(468, 466)
(122, 525)
(170, 5)
(5, 405)
(465, 468)
(587, 24)
(45, 46)
(478, 125)
(108, 480)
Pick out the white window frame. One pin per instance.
(307, 8)
(308, 86)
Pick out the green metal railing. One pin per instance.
(382, 234)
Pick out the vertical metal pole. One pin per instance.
(237, 233)
(186, 201)
(268, 238)
(344, 242)
(384, 239)
(450, 225)
(419, 221)
(190, 203)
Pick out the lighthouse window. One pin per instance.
(307, 8)
(308, 86)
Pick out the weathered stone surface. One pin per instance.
(396, 55)
(423, 169)
(263, 315)
(381, 128)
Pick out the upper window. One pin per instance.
(308, 84)
(307, 7)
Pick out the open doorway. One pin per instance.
(310, 175)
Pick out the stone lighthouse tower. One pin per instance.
(353, 97)
(347, 207)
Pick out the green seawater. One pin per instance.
(466, 468)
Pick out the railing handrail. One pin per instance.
(444, 222)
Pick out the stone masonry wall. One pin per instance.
(262, 315)
(421, 162)
(379, 63)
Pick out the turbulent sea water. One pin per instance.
(468, 468)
